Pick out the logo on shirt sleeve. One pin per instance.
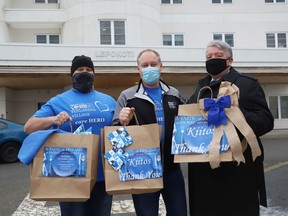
(172, 104)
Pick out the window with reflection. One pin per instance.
(276, 40)
(173, 40)
(171, 1)
(47, 39)
(279, 106)
(112, 32)
(227, 37)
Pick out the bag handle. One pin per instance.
(70, 123)
(134, 114)
(203, 88)
(198, 98)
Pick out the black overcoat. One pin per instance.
(232, 190)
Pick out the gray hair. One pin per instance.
(148, 50)
(221, 45)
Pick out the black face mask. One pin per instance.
(216, 66)
(83, 82)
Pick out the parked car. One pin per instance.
(11, 138)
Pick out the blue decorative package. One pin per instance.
(116, 157)
(88, 131)
(120, 138)
(80, 129)
(141, 164)
(192, 135)
(64, 162)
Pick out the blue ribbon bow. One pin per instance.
(216, 110)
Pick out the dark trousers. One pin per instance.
(173, 195)
(99, 204)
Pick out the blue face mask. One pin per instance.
(150, 75)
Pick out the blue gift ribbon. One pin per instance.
(216, 110)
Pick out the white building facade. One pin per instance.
(39, 38)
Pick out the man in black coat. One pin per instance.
(231, 190)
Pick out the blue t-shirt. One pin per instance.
(93, 109)
(156, 96)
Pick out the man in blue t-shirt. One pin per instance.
(81, 105)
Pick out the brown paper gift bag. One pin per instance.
(144, 136)
(54, 188)
(235, 119)
(194, 110)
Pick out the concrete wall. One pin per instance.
(2, 102)
(277, 90)
(19, 105)
(147, 20)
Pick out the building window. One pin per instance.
(276, 40)
(112, 32)
(228, 38)
(173, 40)
(274, 1)
(47, 39)
(46, 1)
(171, 1)
(279, 106)
(221, 1)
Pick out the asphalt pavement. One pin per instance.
(15, 185)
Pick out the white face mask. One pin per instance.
(150, 75)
